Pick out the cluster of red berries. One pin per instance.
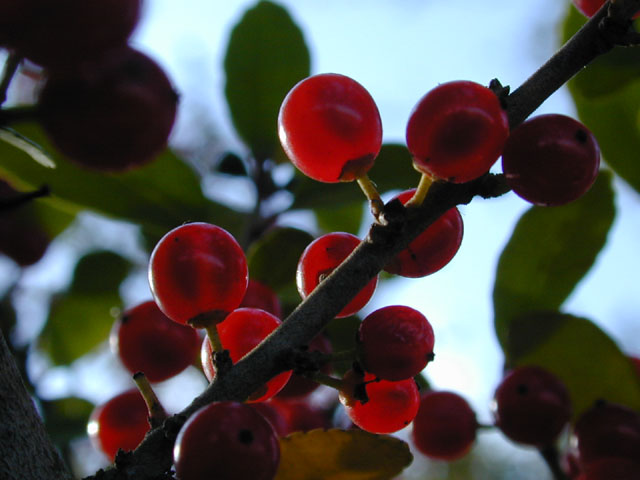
(104, 105)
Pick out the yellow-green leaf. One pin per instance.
(341, 455)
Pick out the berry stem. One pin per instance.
(10, 68)
(214, 337)
(157, 413)
(426, 181)
(371, 192)
(328, 380)
(551, 457)
(343, 356)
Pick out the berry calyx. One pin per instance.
(112, 113)
(390, 407)
(456, 131)
(330, 128)
(320, 258)
(226, 441)
(198, 274)
(395, 342)
(148, 341)
(532, 406)
(119, 424)
(432, 249)
(551, 160)
(445, 426)
(240, 333)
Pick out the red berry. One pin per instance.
(589, 7)
(330, 128)
(532, 406)
(198, 272)
(456, 131)
(432, 249)
(120, 423)
(320, 258)
(65, 32)
(273, 415)
(551, 160)
(148, 341)
(391, 405)
(240, 333)
(226, 441)
(301, 415)
(261, 296)
(445, 426)
(612, 469)
(395, 342)
(112, 113)
(608, 430)
(299, 385)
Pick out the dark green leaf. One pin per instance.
(579, 353)
(392, 170)
(273, 259)
(607, 98)
(99, 272)
(343, 218)
(66, 418)
(550, 250)
(342, 332)
(158, 196)
(342, 455)
(266, 56)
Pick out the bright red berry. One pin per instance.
(551, 160)
(240, 333)
(395, 342)
(261, 296)
(198, 273)
(589, 7)
(120, 423)
(320, 258)
(608, 430)
(391, 406)
(456, 131)
(226, 441)
(445, 426)
(300, 386)
(148, 341)
(532, 406)
(112, 113)
(432, 249)
(63, 33)
(330, 128)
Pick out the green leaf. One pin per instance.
(34, 150)
(273, 259)
(550, 250)
(392, 170)
(66, 418)
(266, 57)
(82, 318)
(341, 455)
(607, 98)
(342, 332)
(579, 353)
(158, 196)
(343, 218)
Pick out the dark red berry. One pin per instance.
(198, 273)
(120, 423)
(64, 33)
(551, 160)
(456, 131)
(330, 128)
(391, 406)
(445, 426)
(612, 469)
(148, 341)
(298, 385)
(261, 296)
(273, 415)
(608, 430)
(301, 415)
(532, 406)
(320, 258)
(432, 249)
(112, 113)
(226, 441)
(240, 333)
(589, 7)
(395, 342)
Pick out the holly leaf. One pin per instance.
(265, 58)
(549, 252)
(343, 218)
(577, 351)
(341, 455)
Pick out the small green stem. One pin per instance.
(328, 380)
(343, 356)
(426, 181)
(214, 337)
(157, 413)
(371, 192)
